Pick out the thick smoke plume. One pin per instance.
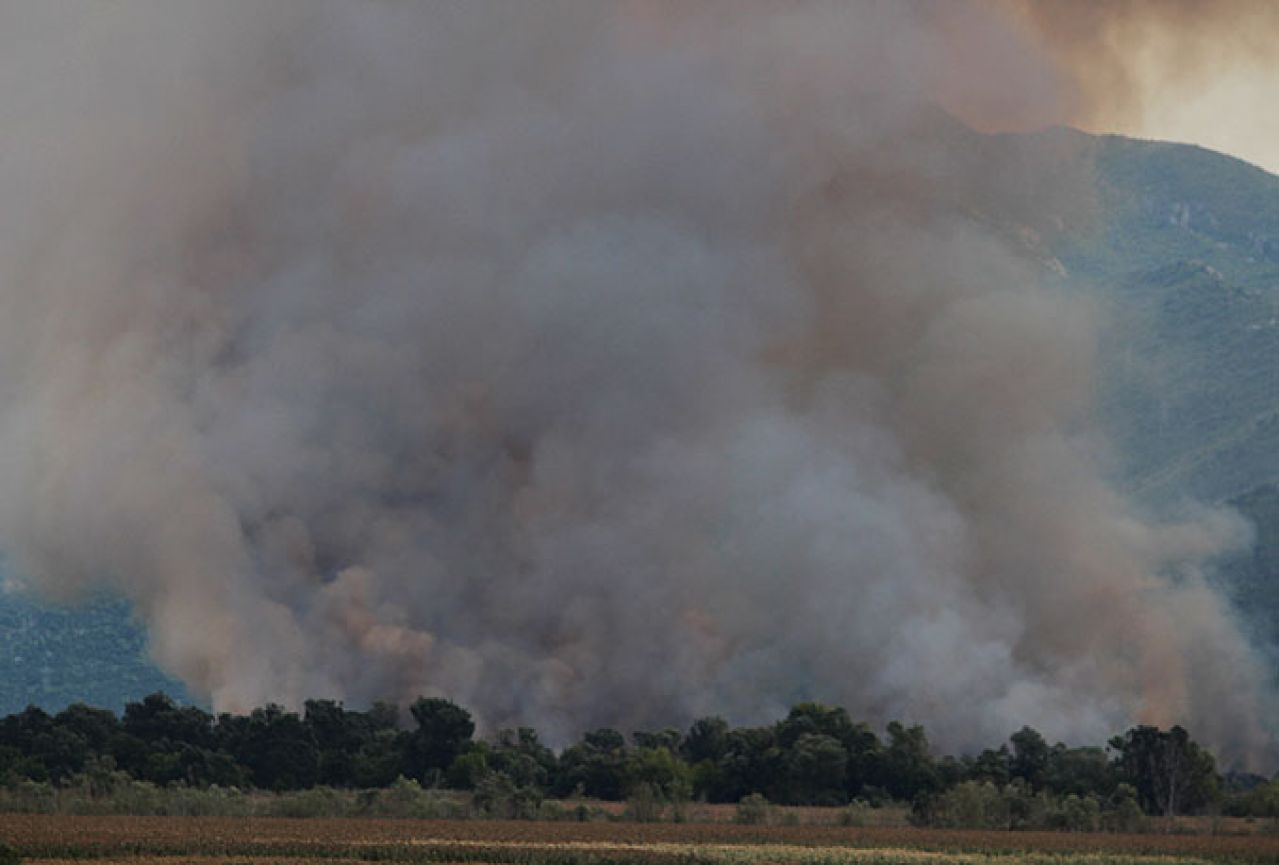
(584, 363)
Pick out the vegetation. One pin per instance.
(161, 757)
(155, 842)
(93, 653)
(1251, 577)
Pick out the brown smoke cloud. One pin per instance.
(582, 363)
(1126, 56)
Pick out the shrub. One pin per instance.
(1076, 814)
(315, 802)
(752, 810)
(858, 813)
(406, 798)
(645, 804)
(972, 805)
(497, 796)
(1125, 813)
(553, 811)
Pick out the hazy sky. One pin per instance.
(1234, 113)
(1198, 71)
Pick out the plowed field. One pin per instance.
(217, 841)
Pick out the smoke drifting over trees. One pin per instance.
(584, 363)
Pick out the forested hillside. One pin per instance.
(1185, 256)
(55, 657)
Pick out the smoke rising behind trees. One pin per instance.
(584, 364)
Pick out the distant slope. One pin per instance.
(1185, 252)
(94, 654)
(1253, 576)
(1182, 250)
(1164, 203)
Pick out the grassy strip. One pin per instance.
(447, 852)
(513, 853)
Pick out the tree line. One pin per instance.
(816, 755)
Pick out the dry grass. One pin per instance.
(267, 841)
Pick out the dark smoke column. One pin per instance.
(582, 364)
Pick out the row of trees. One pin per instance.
(816, 755)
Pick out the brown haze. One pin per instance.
(1130, 60)
(584, 363)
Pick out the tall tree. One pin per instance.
(908, 769)
(443, 731)
(1030, 757)
(1171, 773)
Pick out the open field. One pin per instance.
(255, 841)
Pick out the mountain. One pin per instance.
(1179, 248)
(1252, 576)
(94, 653)
(1186, 255)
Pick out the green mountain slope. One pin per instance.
(1185, 254)
(93, 653)
(1253, 576)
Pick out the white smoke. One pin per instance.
(583, 363)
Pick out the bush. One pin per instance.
(315, 802)
(1125, 813)
(29, 797)
(972, 805)
(752, 810)
(8, 855)
(1076, 814)
(645, 804)
(406, 798)
(553, 811)
(858, 813)
(497, 796)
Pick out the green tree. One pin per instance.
(1030, 757)
(1079, 771)
(596, 766)
(815, 769)
(443, 731)
(908, 772)
(752, 763)
(278, 749)
(520, 755)
(97, 727)
(381, 760)
(1170, 772)
(468, 768)
(339, 736)
(706, 739)
(994, 766)
(668, 739)
(659, 773)
(158, 720)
